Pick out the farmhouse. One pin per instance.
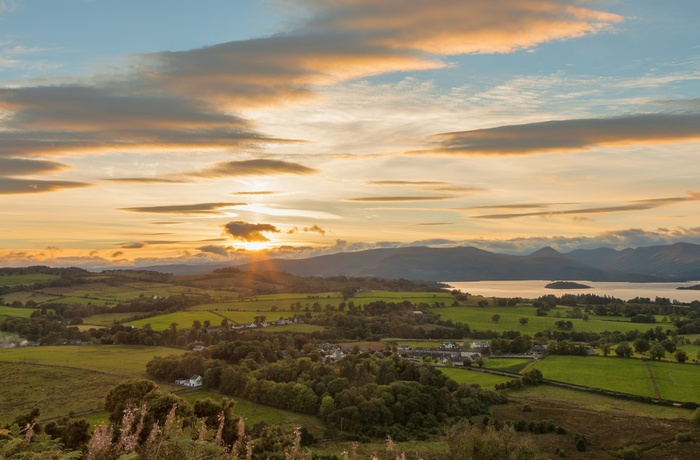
(192, 382)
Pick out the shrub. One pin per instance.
(684, 437)
(695, 418)
(581, 442)
(527, 408)
(628, 453)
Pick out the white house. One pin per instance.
(192, 382)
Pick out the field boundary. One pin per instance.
(657, 392)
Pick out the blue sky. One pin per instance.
(138, 132)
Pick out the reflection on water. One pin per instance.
(535, 288)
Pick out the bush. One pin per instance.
(684, 437)
(527, 408)
(695, 418)
(628, 453)
(581, 442)
(561, 430)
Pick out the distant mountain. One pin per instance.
(680, 261)
(184, 269)
(450, 264)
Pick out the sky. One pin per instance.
(137, 133)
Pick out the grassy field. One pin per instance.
(479, 318)
(16, 312)
(617, 374)
(184, 319)
(598, 402)
(508, 364)
(30, 278)
(678, 382)
(462, 375)
(122, 360)
(55, 390)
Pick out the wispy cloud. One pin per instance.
(391, 199)
(639, 205)
(199, 208)
(257, 167)
(10, 186)
(23, 167)
(571, 135)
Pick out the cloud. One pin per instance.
(255, 193)
(376, 199)
(117, 254)
(199, 208)
(571, 135)
(9, 186)
(453, 27)
(348, 39)
(258, 167)
(146, 180)
(313, 229)
(213, 249)
(22, 167)
(639, 205)
(245, 231)
(133, 245)
(130, 115)
(405, 182)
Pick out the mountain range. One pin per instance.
(677, 262)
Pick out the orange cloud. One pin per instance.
(571, 135)
(451, 27)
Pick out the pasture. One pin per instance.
(463, 375)
(480, 319)
(678, 382)
(540, 394)
(124, 361)
(57, 391)
(13, 312)
(29, 278)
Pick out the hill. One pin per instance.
(450, 264)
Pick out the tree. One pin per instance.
(681, 356)
(641, 345)
(523, 321)
(127, 392)
(624, 350)
(657, 352)
(496, 318)
(606, 349)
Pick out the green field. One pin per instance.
(484, 379)
(30, 278)
(16, 312)
(678, 382)
(480, 319)
(121, 360)
(617, 374)
(508, 364)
